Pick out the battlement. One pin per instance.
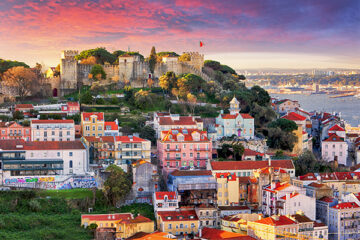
(129, 58)
(69, 54)
(195, 54)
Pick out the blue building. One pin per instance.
(235, 123)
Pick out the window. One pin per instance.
(68, 133)
(70, 154)
(181, 225)
(169, 226)
(340, 154)
(93, 128)
(168, 146)
(99, 128)
(192, 225)
(184, 154)
(70, 164)
(53, 133)
(184, 146)
(191, 154)
(326, 146)
(220, 195)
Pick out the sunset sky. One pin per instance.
(242, 33)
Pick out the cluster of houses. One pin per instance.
(194, 195)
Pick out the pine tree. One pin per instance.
(152, 59)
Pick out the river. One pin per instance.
(349, 107)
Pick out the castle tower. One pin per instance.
(197, 60)
(68, 71)
(234, 106)
(128, 67)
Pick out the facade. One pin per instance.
(339, 131)
(247, 168)
(322, 208)
(284, 198)
(343, 221)
(178, 222)
(286, 105)
(25, 108)
(334, 148)
(318, 190)
(52, 130)
(196, 187)
(13, 130)
(238, 223)
(235, 123)
(233, 210)
(212, 234)
(123, 224)
(208, 216)
(309, 229)
(227, 189)
(166, 122)
(92, 124)
(184, 148)
(71, 108)
(274, 227)
(21, 158)
(165, 201)
(111, 129)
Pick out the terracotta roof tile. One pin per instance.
(217, 234)
(334, 138)
(100, 115)
(250, 165)
(183, 120)
(191, 173)
(127, 139)
(161, 195)
(336, 128)
(20, 145)
(346, 205)
(173, 134)
(107, 217)
(229, 116)
(24, 106)
(111, 125)
(182, 215)
(276, 221)
(246, 116)
(52, 121)
(293, 116)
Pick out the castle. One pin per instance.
(131, 69)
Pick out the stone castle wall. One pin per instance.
(130, 70)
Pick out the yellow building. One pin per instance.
(92, 124)
(104, 146)
(274, 227)
(124, 224)
(178, 222)
(238, 223)
(228, 193)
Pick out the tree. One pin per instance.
(148, 133)
(307, 162)
(7, 64)
(117, 185)
(168, 81)
(238, 151)
(101, 55)
(97, 72)
(86, 98)
(260, 95)
(22, 79)
(212, 64)
(192, 101)
(284, 124)
(185, 57)
(224, 151)
(18, 115)
(152, 59)
(279, 139)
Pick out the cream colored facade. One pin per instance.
(92, 124)
(228, 193)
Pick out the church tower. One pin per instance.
(234, 106)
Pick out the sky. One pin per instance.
(244, 34)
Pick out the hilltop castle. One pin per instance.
(131, 69)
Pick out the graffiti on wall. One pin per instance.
(57, 182)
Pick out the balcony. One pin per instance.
(201, 158)
(201, 149)
(173, 159)
(12, 158)
(172, 150)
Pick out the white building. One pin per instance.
(165, 201)
(334, 148)
(344, 221)
(284, 198)
(52, 130)
(21, 158)
(111, 129)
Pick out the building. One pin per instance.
(71, 108)
(178, 222)
(21, 158)
(247, 168)
(343, 221)
(92, 124)
(111, 129)
(165, 201)
(284, 198)
(124, 224)
(352, 197)
(129, 149)
(212, 234)
(233, 210)
(235, 123)
(227, 189)
(274, 227)
(25, 108)
(166, 122)
(195, 187)
(208, 216)
(339, 131)
(318, 190)
(13, 130)
(322, 208)
(334, 148)
(184, 148)
(151, 236)
(309, 229)
(52, 130)
(145, 181)
(252, 155)
(238, 222)
(286, 105)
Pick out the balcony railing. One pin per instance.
(172, 149)
(173, 159)
(201, 158)
(201, 149)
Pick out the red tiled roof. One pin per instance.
(112, 125)
(327, 176)
(140, 219)
(172, 135)
(52, 121)
(250, 165)
(327, 199)
(72, 104)
(249, 152)
(182, 215)
(336, 128)
(217, 234)
(293, 116)
(266, 170)
(20, 145)
(343, 175)
(230, 177)
(191, 173)
(183, 120)
(316, 185)
(346, 205)
(334, 138)
(161, 195)
(282, 220)
(127, 139)
(229, 116)
(278, 187)
(308, 176)
(233, 208)
(107, 217)
(300, 110)
(100, 139)
(291, 195)
(246, 116)
(318, 224)
(243, 179)
(24, 106)
(100, 115)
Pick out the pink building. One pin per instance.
(184, 148)
(53, 130)
(71, 108)
(13, 130)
